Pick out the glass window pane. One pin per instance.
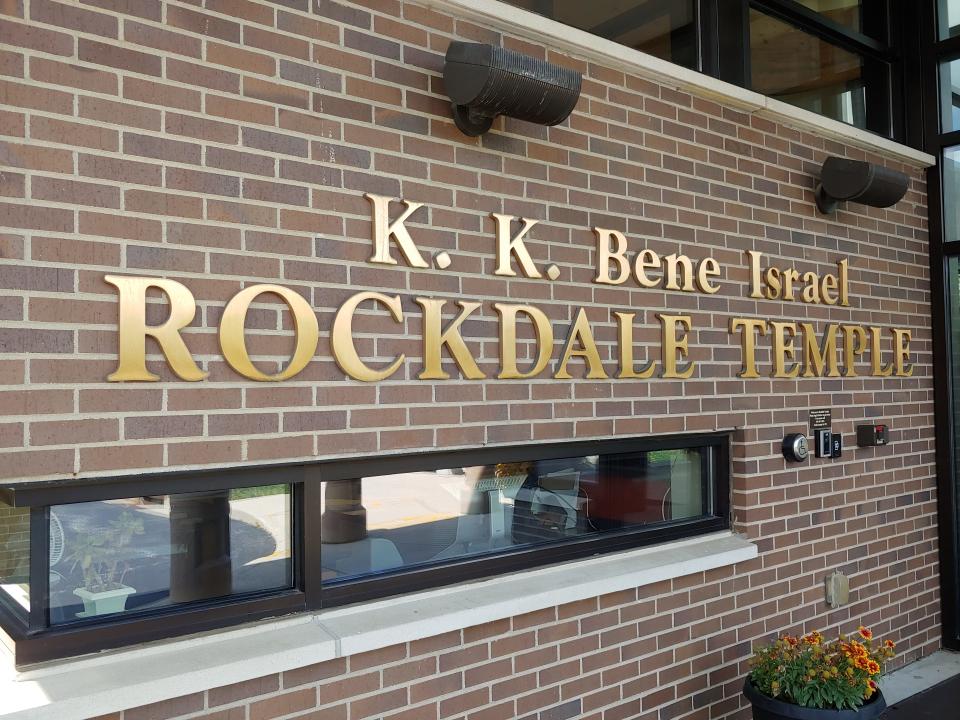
(800, 69)
(847, 13)
(663, 29)
(953, 330)
(948, 12)
(15, 553)
(149, 552)
(951, 194)
(384, 523)
(950, 95)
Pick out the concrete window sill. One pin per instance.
(97, 685)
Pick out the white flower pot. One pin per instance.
(103, 603)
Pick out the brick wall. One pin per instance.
(14, 543)
(230, 141)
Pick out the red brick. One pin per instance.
(118, 57)
(35, 98)
(73, 18)
(35, 38)
(161, 39)
(32, 217)
(76, 193)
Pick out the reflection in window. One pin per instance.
(383, 523)
(953, 328)
(948, 12)
(951, 194)
(803, 70)
(149, 552)
(663, 29)
(15, 553)
(950, 95)
(843, 12)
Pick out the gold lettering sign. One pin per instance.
(233, 345)
(133, 329)
(341, 338)
(582, 335)
(508, 340)
(797, 348)
(434, 339)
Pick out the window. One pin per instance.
(950, 95)
(120, 556)
(844, 59)
(93, 564)
(15, 555)
(951, 193)
(949, 18)
(665, 29)
(803, 70)
(826, 57)
(388, 522)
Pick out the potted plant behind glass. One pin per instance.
(804, 678)
(102, 555)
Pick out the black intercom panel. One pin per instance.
(872, 435)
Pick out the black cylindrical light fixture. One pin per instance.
(484, 81)
(859, 181)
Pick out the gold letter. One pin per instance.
(383, 230)
(828, 284)
(580, 331)
(234, 346)
(755, 282)
(748, 343)
(851, 349)
(819, 356)
(133, 329)
(784, 350)
(844, 286)
(625, 321)
(605, 255)
(507, 245)
(876, 361)
(790, 276)
(646, 259)
(708, 268)
(341, 337)
(901, 352)
(772, 276)
(811, 293)
(673, 263)
(671, 344)
(434, 340)
(508, 340)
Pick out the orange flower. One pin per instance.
(872, 684)
(862, 663)
(890, 644)
(865, 633)
(873, 667)
(790, 640)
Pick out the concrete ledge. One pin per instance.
(919, 676)
(105, 683)
(523, 23)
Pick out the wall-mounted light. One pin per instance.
(484, 81)
(859, 181)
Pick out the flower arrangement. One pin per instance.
(102, 554)
(810, 672)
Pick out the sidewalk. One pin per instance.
(941, 702)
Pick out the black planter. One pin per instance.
(768, 708)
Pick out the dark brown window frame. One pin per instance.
(36, 640)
